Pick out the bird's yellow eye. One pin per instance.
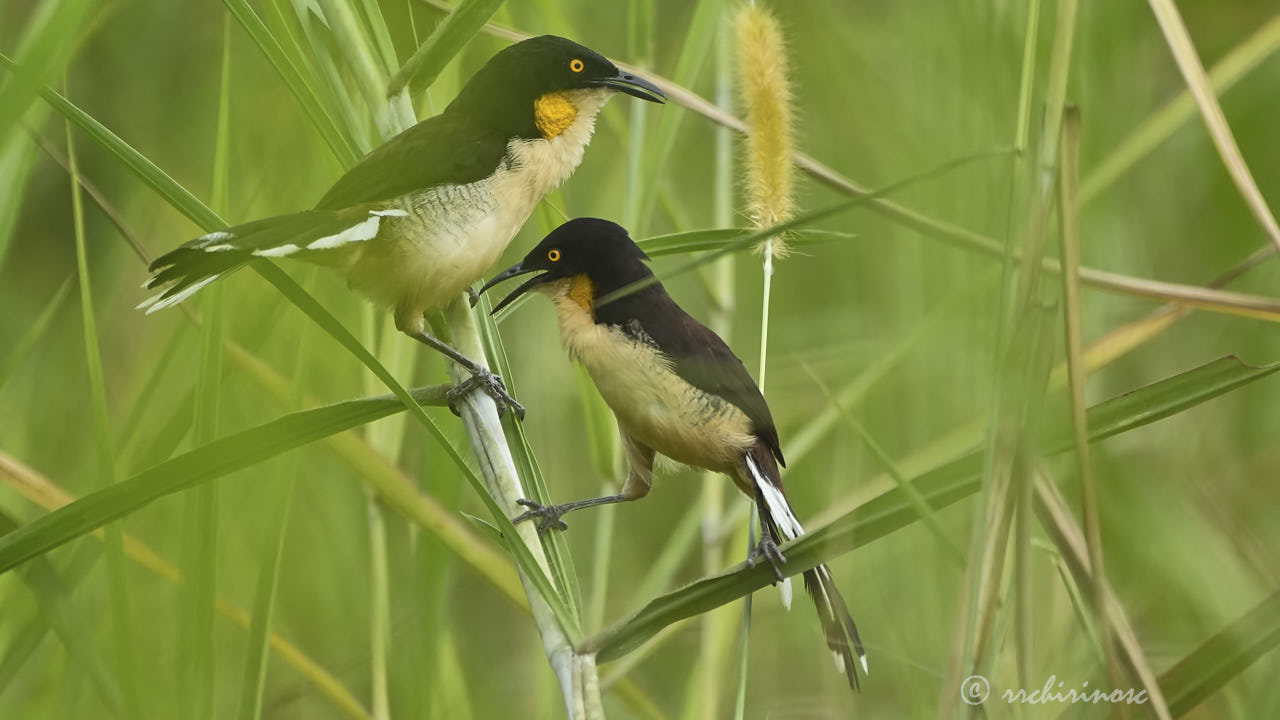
(576, 65)
(553, 255)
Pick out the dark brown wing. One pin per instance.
(698, 355)
(443, 150)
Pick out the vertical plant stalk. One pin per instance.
(117, 582)
(260, 635)
(1069, 231)
(1018, 388)
(606, 450)
(1022, 630)
(577, 674)
(717, 628)
(694, 49)
(200, 547)
(766, 93)
(384, 437)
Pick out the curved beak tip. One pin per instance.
(635, 86)
(513, 271)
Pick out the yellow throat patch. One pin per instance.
(553, 113)
(582, 292)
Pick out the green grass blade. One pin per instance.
(802, 221)
(944, 486)
(297, 83)
(17, 159)
(253, 685)
(117, 581)
(155, 178)
(720, 238)
(47, 494)
(330, 324)
(200, 526)
(46, 46)
(200, 537)
(23, 645)
(189, 205)
(69, 622)
(23, 347)
(694, 52)
(953, 548)
(219, 458)
(1205, 670)
(449, 36)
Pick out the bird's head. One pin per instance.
(538, 87)
(585, 257)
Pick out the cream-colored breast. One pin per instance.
(652, 402)
(455, 233)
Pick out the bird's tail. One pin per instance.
(311, 235)
(837, 624)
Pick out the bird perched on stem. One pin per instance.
(419, 219)
(675, 388)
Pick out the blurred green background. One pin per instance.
(1190, 508)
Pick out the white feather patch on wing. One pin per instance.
(280, 251)
(149, 301)
(780, 511)
(393, 212)
(214, 237)
(219, 248)
(157, 303)
(356, 233)
(778, 507)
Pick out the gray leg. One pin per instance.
(639, 480)
(481, 378)
(767, 547)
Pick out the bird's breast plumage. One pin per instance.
(652, 402)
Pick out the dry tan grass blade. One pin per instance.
(1184, 52)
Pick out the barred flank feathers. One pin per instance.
(766, 92)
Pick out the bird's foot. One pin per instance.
(548, 515)
(768, 549)
(473, 297)
(492, 385)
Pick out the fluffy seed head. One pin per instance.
(766, 92)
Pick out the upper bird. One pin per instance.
(419, 219)
(675, 389)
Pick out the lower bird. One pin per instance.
(418, 220)
(676, 389)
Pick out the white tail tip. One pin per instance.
(785, 589)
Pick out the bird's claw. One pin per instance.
(549, 515)
(473, 297)
(493, 386)
(768, 549)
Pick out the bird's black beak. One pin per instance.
(513, 271)
(632, 85)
